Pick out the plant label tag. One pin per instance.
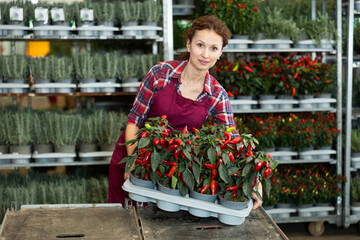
(57, 14)
(16, 14)
(41, 14)
(87, 14)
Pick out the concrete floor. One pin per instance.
(298, 231)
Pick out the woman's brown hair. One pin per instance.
(209, 22)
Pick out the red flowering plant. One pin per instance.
(238, 15)
(286, 130)
(325, 129)
(305, 132)
(236, 77)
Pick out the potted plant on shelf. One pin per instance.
(4, 148)
(325, 31)
(85, 70)
(355, 193)
(128, 67)
(355, 143)
(238, 15)
(40, 72)
(14, 69)
(62, 72)
(150, 15)
(305, 135)
(18, 123)
(40, 18)
(62, 16)
(87, 137)
(106, 69)
(41, 136)
(109, 126)
(129, 15)
(64, 133)
(104, 15)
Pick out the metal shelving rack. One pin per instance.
(167, 47)
(337, 216)
(351, 14)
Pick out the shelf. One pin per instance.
(300, 161)
(270, 50)
(74, 94)
(30, 37)
(330, 218)
(330, 109)
(53, 164)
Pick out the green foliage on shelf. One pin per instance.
(84, 65)
(104, 11)
(128, 66)
(5, 12)
(87, 133)
(40, 127)
(147, 61)
(64, 128)
(40, 68)
(106, 65)
(355, 140)
(151, 11)
(14, 67)
(61, 68)
(109, 126)
(128, 11)
(18, 125)
(40, 188)
(355, 189)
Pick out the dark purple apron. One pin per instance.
(180, 112)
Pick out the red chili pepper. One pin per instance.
(234, 194)
(266, 164)
(182, 179)
(138, 161)
(159, 173)
(171, 141)
(196, 137)
(296, 75)
(185, 131)
(247, 68)
(178, 141)
(171, 163)
(142, 152)
(173, 146)
(176, 154)
(227, 136)
(189, 141)
(155, 141)
(210, 165)
(213, 187)
(231, 157)
(258, 166)
(147, 157)
(219, 161)
(232, 188)
(213, 174)
(267, 172)
(144, 134)
(179, 174)
(146, 176)
(182, 154)
(235, 140)
(163, 143)
(293, 91)
(163, 117)
(255, 178)
(195, 130)
(190, 166)
(172, 170)
(204, 188)
(235, 174)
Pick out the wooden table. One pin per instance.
(148, 223)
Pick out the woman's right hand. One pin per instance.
(127, 175)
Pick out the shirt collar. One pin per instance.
(180, 68)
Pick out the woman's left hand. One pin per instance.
(258, 202)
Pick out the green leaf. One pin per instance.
(228, 196)
(173, 182)
(211, 153)
(206, 181)
(187, 153)
(226, 158)
(155, 160)
(129, 164)
(162, 170)
(127, 158)
(247, 170)
(266, 183)
(182, 188)
(247, 189)
(232, 170)
(188, 178)
(273, 164)
(153, 176)
(196, 171)
(223, 172)
(131, 141)
(144, 142)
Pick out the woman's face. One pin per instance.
(205, 48)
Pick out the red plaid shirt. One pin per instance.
(160, 75)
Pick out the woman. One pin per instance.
(184, 91)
